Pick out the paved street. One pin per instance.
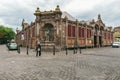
(92, 64)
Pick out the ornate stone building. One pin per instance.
(61, 29)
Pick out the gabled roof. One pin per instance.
(117, 28)
(100, 23)
(68, 16)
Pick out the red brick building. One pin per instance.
(60, 28)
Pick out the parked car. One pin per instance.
(13, 46)
(7, 44)
(116, 44)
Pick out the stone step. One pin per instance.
(50, 48)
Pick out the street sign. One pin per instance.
(22, 36)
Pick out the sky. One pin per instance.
(12, 12)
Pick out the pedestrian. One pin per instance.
(27, 49)
(38, 50)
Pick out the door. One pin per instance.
(95, 41)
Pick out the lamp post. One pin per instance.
(53, 49)
(66, 50)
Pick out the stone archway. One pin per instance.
(96, 35)
(100, 36)
(47, 37)
(48, 32)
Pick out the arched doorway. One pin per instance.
(48, 32)
(100, 36)
(96, 36)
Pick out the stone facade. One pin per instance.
(61, 29)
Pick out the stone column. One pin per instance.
(37, 29)
(77, 37)
(107, 37)
(66, 30)
(37, 22)
(57, 28)
(61, 31)
(93, 33)
(85, 35)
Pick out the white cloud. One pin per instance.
(2, 22)
(13, 11)
(14, 27)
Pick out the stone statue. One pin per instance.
(47, 34)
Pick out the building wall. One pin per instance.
(64, 32)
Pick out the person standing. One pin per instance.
(38, 50)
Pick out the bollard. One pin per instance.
(54, 50)
(75, 46)
(66, 50)
(18, 50)
(40, 53)
(27, 50)
(80, 50)
(74, 50)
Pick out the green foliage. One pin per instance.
(6, 33)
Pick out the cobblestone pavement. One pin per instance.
(92, 64)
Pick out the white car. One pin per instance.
(116, 44)
(13, 46)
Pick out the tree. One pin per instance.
(6, 34)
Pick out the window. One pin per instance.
(69, 30)
(73, 31)
(87, 33)
(105, 35)
(79, 32)
(108, 35)
(90, 33)
(83, 32)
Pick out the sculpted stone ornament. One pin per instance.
(47, 35)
